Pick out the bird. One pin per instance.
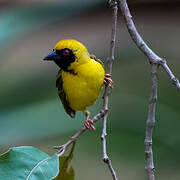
(80, 78)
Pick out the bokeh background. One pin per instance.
(30, 110)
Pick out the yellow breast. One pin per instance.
(83, 88)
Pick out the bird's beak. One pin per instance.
(51, 56)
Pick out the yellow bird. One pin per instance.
(80, 78)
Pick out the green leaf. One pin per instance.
(28, 163)
(66, 172)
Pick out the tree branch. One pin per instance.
(153, 57)
(106, 159)
(155, 61)
(150, 123)
(73, 139)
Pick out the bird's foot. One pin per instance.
(89, 124)
(108, 80)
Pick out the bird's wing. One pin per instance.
(62, 95)
(92, 56)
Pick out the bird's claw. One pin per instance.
(108, 80)
(89, 124)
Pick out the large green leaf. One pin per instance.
(28, 163)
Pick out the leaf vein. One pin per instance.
(38, 164)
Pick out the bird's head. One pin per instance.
(68, 54)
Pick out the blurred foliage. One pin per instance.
(31, 113)
(19, 20)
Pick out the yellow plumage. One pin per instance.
(80, 78)
(83, 88)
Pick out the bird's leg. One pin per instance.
(88, 123)
(108, 80)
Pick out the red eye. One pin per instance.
(66, 52)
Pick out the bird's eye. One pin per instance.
(66, 52)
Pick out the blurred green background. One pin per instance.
(30, 110)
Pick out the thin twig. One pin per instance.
(153, 57)
(150, 123)
(155, 61)
(63, 147)
(106, 159)
(174, 80)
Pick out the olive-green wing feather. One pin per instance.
(62, 95)
(92, 56)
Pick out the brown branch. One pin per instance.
(73, 139)
(174, 80)
(153, 57)
(155, 61)
(150, 123)
(106, 159)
